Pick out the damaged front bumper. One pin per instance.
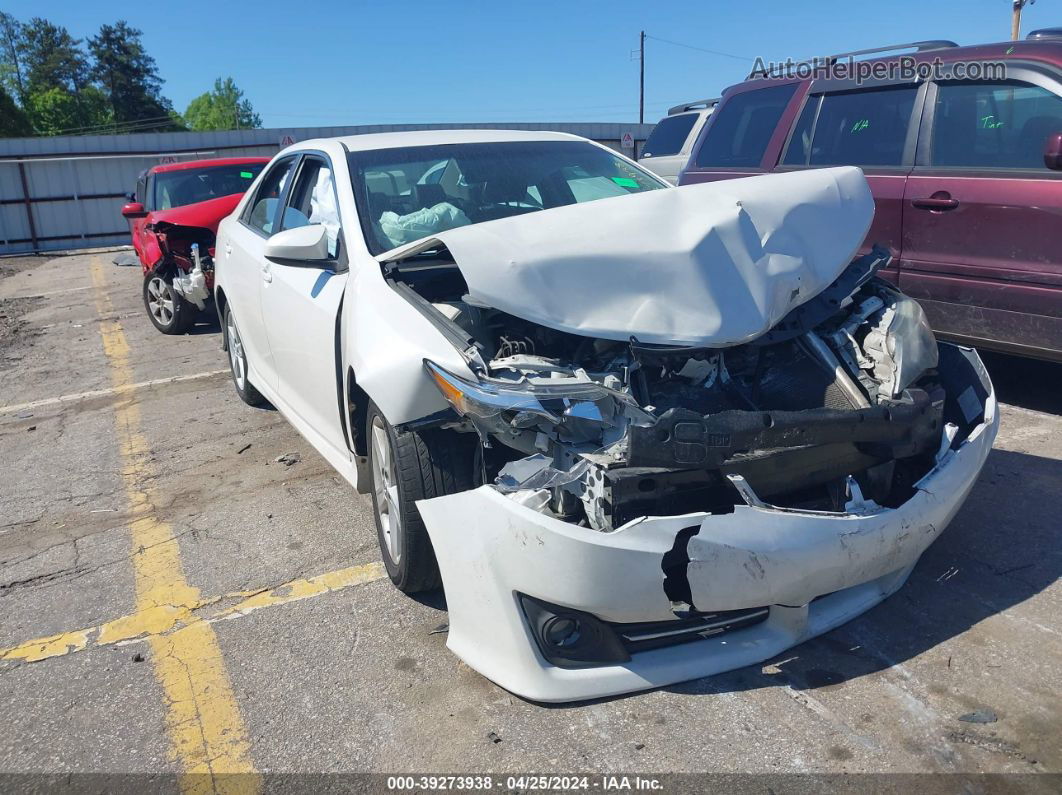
(760, 579)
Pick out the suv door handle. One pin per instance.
(228, 249)
(267, 275)
(938, 203)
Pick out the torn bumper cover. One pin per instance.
(557, 612)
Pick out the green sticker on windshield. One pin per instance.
(625, 182)
(247, 175)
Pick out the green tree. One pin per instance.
(224, 108)
(53, 58)
(60, 112)
(14, 123)
(58, 96)
(12, 65)
(130, 80)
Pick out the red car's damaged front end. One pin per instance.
(174, 216)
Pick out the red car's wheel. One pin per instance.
(168, 311)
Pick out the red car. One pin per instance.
(965, 165)
(173, 217)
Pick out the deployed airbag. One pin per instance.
(715, 264)
(426, 221)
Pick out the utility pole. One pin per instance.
(1015, 25)
(641, 77)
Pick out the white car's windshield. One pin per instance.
(405, 194)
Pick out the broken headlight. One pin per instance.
(522, 404)
(902, 344)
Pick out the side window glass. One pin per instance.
(262, 211)
(669, 135)
(993, 125)
(313, 201)
(799, 149)
(740, 129)
(858, 128)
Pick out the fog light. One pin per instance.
(561, 631)
(571, 638)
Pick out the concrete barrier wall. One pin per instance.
(66, 192)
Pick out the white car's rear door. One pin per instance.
(246, 270)
(300, 307)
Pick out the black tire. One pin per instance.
(238, 362)
(427, 464)
(167, 311)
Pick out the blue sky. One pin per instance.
(333, 63)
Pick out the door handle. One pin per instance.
(228, 249)
(938, 203)
(267, 275)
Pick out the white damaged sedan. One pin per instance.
(640, 434)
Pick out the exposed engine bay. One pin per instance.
(839, 404)
(186, 257)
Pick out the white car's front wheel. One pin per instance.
(407, 466)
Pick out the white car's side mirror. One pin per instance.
(305, 243)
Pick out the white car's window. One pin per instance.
(313, 201)
(408, 193)
(263, 208)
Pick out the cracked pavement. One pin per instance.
(356, 678)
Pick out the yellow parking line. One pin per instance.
(207, 732)
(163, 619)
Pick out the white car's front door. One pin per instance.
(242, 257)
(300, 308)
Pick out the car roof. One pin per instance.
(393, 140)
(217, 161)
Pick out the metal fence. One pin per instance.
(67, 192)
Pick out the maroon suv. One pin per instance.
(965, 172)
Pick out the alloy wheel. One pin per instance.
(383, 478)
(160, 300)
(236, 357)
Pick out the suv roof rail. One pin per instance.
(698, 105)
(917, 46)
(1045, 33)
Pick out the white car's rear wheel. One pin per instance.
(407, 466)
(238, 362)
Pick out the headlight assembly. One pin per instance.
(903, 345)
(495, 403)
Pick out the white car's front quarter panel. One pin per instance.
(385, 343)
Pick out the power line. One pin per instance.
(701, 49)
(115, 125)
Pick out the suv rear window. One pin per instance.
(858, 128)
(737, 137)
(669, 135)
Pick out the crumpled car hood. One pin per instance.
(206, 214)
(714, 264)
